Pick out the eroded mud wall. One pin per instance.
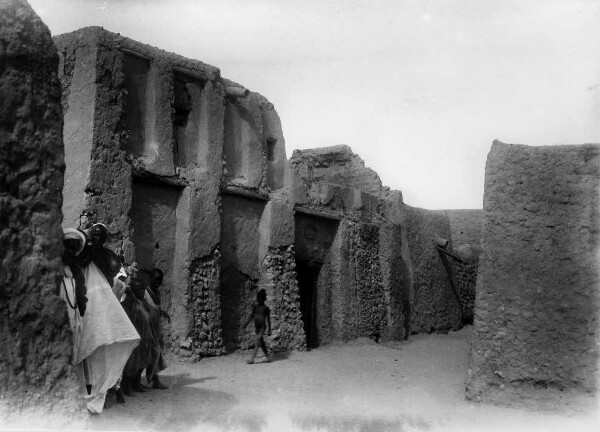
(243, 142)
(150, 158)
(279, 271)
(336, 165)
(396, 282)
(361, 288)
(35, 336)
(435, 305)
(239, 265)
(537, 306)
(278, 275)
(95, 108)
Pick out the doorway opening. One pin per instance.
(308, 276)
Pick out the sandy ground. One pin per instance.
(359, 386)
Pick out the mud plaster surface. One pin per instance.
(34, 328)
(536, 310)
(415, 385)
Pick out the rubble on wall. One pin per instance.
(205, 337)
(364, 314)
(335, 165)
(35, 336)
(537, 301)
(278, 274)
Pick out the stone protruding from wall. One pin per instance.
(361, 289)
(336, 165)
(35, 337)
(205, 336)
(537, 305)
(435, 306)
(278, 274)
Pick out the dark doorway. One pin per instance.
(308, 275)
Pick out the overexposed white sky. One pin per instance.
(419, 89)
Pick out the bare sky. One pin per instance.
(419, 89)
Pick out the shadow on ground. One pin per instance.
(166, 409)
(357, 424)
(279, 356)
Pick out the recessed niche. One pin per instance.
(187, 121)
(139, 109)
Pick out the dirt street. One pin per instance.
(359, 386)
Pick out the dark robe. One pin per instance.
(107, 261)
(158, 362)
(140, 314)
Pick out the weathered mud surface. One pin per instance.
(35, 337)
(537, 301)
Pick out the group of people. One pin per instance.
(115, 314)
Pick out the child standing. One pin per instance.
(261, 314)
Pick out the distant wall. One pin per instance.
(435, 306)
(465, 226)
(537, 305)
(35, 337)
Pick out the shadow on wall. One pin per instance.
(239, 243)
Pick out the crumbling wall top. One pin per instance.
(337, 165)
(98, 36)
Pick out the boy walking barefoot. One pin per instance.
(261, 314)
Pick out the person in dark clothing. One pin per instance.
(261, 314)
(139, 312)
(153, 299)
(105, 259)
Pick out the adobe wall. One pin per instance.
(156, 145)
(35, 336)
(365, 278)
(188, 171)
(396, 268)
(174, 160)
(336, 165)
(537, 306)
(360, 290)
(435, 304)
(239, 265)
(465, 226)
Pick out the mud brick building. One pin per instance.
(188, 170)
(537, 301)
